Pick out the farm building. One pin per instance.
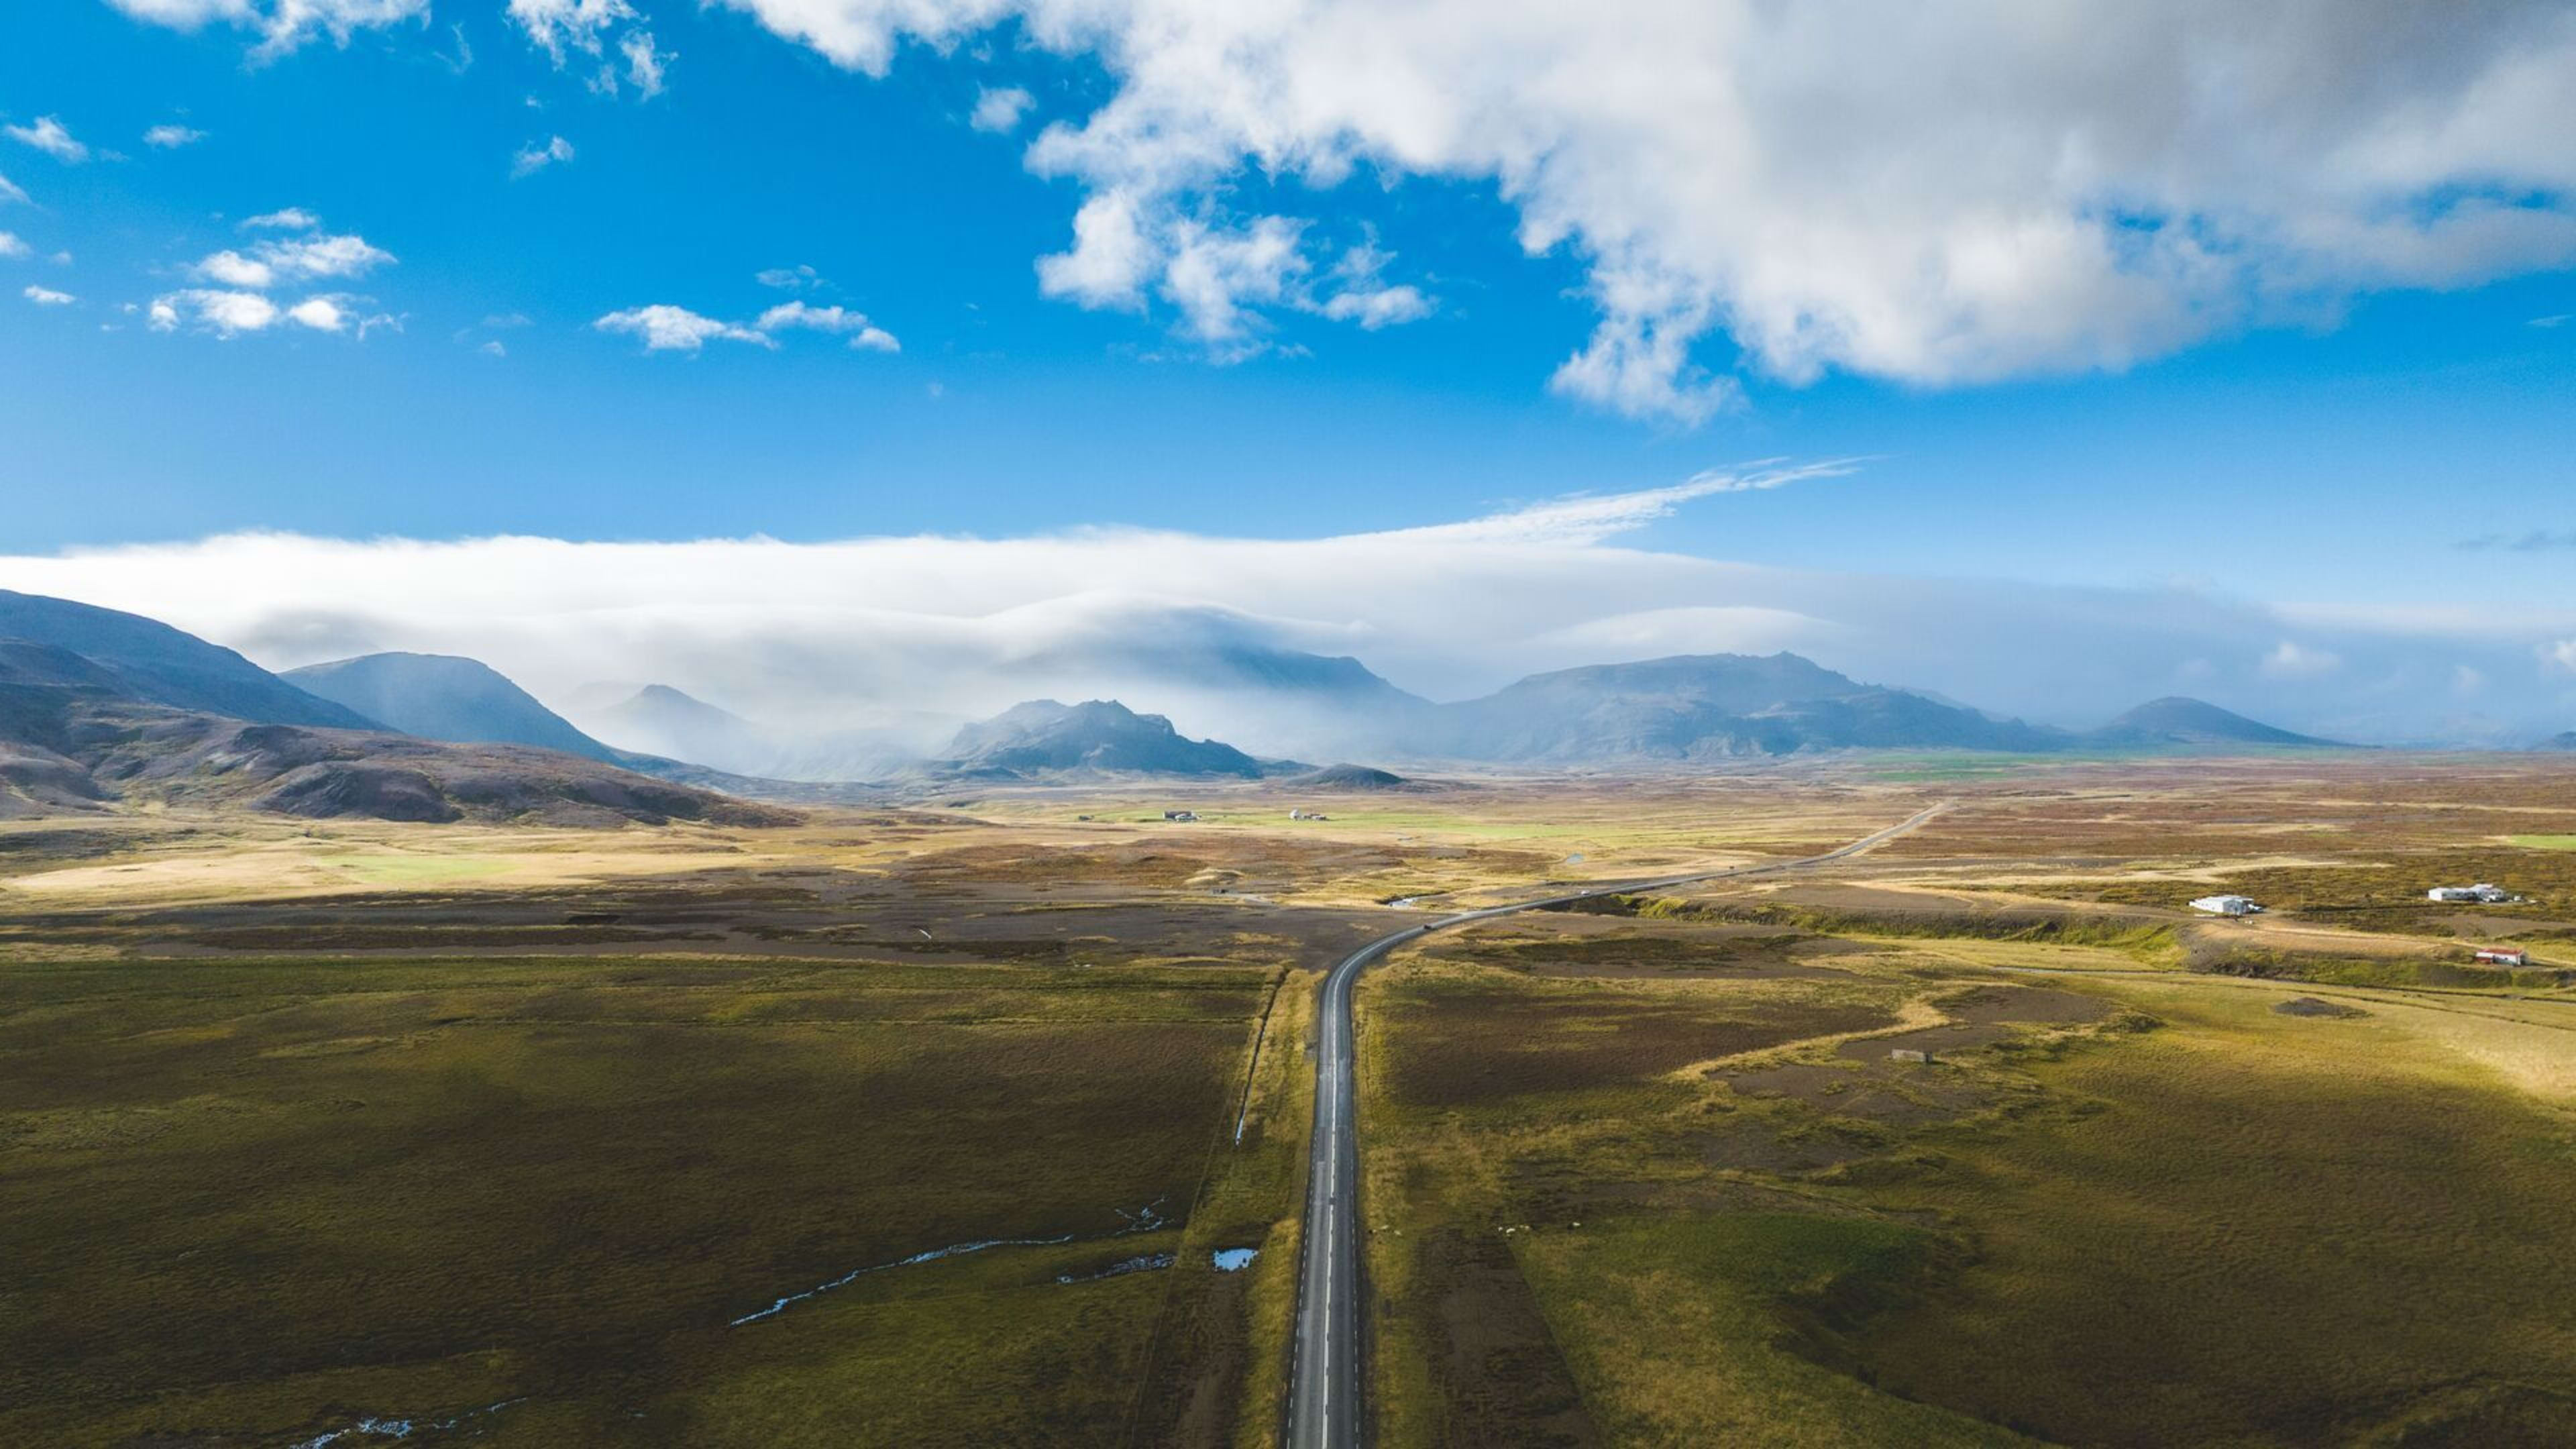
(2481, 894)
(2498, 956)
(1181, 815)
(2227, 906)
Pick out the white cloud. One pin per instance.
(535, 157)
(322, 314)
(797, 634)
(1365, 299)
(48, 297)
(302, 258)
(2289, 660)
(1936, 195)
(645, 65)
(564, 28)
(232, 269)
(799, 278)
(323, 256)
(677, 329)
(282, 25)
(172, 137)
(999, 109)
(14, 247)
(292, 218)
(9, 191)
(665, 328)
(222, 312)
(788, 316)
(48, 136)
(558, 26)
(1589, 519)
(1218, 279)
(2559, 319)
(493, 348)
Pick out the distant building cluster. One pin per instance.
(2227, 906)
(1180, 815)
(2502, 956)
(1308, 815)
(2481, 894)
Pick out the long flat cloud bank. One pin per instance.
(915, 632)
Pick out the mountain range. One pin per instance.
(99, 708)
(96, 705)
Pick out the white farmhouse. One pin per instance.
(2481, 894)
(2227, 905)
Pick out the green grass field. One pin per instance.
(2149, 1210)
(246, 1202)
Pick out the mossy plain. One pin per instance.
(302, 1126)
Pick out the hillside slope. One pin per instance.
(152, 662)
(445, 697)
(2180, 720)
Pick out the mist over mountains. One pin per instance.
(848, 655)
(94, 704)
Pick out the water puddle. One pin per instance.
(1145, 1219)
(1235, 1260)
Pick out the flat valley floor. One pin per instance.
(983, 1121)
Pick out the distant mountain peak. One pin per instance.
(446, 697)
(2181, 720)
(1047, 737)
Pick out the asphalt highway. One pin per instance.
(1325, 1384)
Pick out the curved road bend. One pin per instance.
(1324, 1385)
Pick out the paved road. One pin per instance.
(1324, 1386)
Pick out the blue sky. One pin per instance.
(2321, 415)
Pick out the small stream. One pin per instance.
(1145, 1219)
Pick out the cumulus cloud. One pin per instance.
(282, 25)
(14, 247)
(537, 156)
(798, 278)
(1938, 195)
(228, 313)
(999, 108)
(225, 313)
(810, 635)
(291, 259)
(837, 320)
(48, 297)
(49, 136)
(292, 218)
(665, 328)
(322, 314)
(172, 137)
